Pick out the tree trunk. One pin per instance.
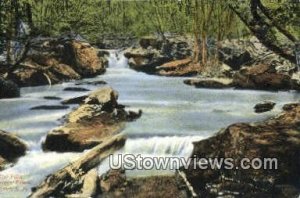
(265, 32)
(74, 171)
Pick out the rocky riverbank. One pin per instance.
(277, 137)
(98, 117)
(247, 63)
(52, 61)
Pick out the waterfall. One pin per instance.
(161, 146)
(117, 59)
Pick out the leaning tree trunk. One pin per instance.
(264, 28)
(73, 172)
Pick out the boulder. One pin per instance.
(276, 138)
(261, 76)
(264, 106)
(183, 67)
(97, 118)
(84, 58)
(11, 148)
(152, 52)
(8, 89)
(145, 60)
(55, 60)
(234, 54)
(215, 83)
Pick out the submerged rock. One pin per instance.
(50, 107)
(11, 148)
(276, 138)
(76, 89)
(8, 89)
(99, 82)
(51, 98)
(97, 118)
(264, 107)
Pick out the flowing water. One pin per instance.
(174, 115)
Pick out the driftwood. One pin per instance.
(74, 171)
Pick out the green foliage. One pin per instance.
(97, 18)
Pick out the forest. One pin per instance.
(276, 22)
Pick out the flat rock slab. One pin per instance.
(76, 89)
(98, 117)
(215, 83)
(50, 107)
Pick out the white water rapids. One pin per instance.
(174, 115)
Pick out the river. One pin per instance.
(174, 115)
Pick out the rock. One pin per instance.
(264, 106)
(277, 137)
(152, 52)
(99, 82)
(97, 118)
(234, 55)
(116, 184)
(296, 81)
(56, 60)
(215, 83)
(11, 148)
(64, 73)
(30, 77)
(76, 100)
(106, 97)
(262, 77)
(183, 67)
(145, 60)
(51, 98)
(49, 107)
(8, 89)
(84, 58)
(76, 89)
(3, 163)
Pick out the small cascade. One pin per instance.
(161, 146)
(117, 59)
(156, 148)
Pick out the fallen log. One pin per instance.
(187, 183)
(73, 172)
